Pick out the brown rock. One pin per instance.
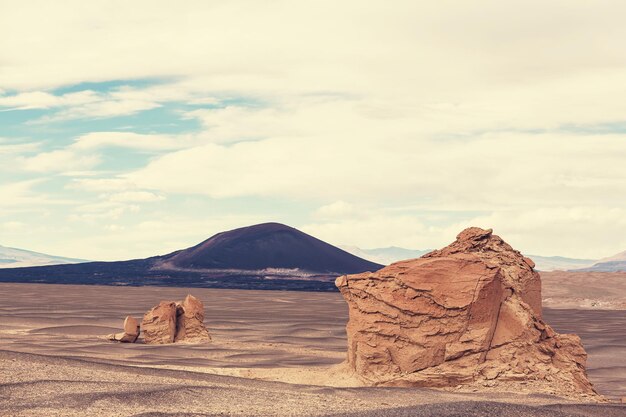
(190, 321)
(131, 326)
(159, 324)
(130, 333)
(468, 314)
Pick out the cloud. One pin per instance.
(152, 234)
(85, 152)
(513, 110)
(366, 159)
(59, 161)
(543, 231)
(116, 206)
(100, 109)
(114, 228)
(76, 105)
(130, 140)
(12, 226)
(444, 53)
(135, 197)
(11, 148)
(100, 184)
(224, 124)
(338, 209)
(22, 196)
(44, 100)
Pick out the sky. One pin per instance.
(131, 129)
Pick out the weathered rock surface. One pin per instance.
(130, 333)
(159, 324)
(468, 314)
(190, 321)
(171, 322)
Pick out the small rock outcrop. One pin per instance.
(130, 333)
(467, 315)
(190, 321)
(159, 324)
(168, 322)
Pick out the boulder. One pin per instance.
(190, 321)
(467, 315)
(159, 324)
(130, 333)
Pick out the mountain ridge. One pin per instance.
(263, 256)
(391, 254)
(18, 258)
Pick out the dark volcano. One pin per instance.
(268, 245)
(263, 256)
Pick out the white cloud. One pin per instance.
(104, 209)
(77, 105)
(22, 196)
(445, 52)
(100, 184)
(155, 234)
(338, 209)
(12, 226)
(135, 197)
(44, 100)
(100, 109)
(10, 148)
(225, 124)
(119, 101)
(578, 232)
(58, 161)
(85, 152)
(395, 161)
(130, 140)
(114, 228)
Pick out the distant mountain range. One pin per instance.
(615, 263)
(17, 258)
(387, 255)
(393, 254)
(263, 256)
(559, 263)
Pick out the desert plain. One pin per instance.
(272, 353)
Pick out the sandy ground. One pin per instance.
(273, 353)
(587, 290)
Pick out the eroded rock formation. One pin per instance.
(468, 314)
(170, 322)
(159, 324)
(130, 333)
(190, 321)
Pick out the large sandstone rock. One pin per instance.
(468, 314)
(190, 321)
(130, 333)
(159, 324)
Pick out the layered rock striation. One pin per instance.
(466, 315)
(159, 323)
